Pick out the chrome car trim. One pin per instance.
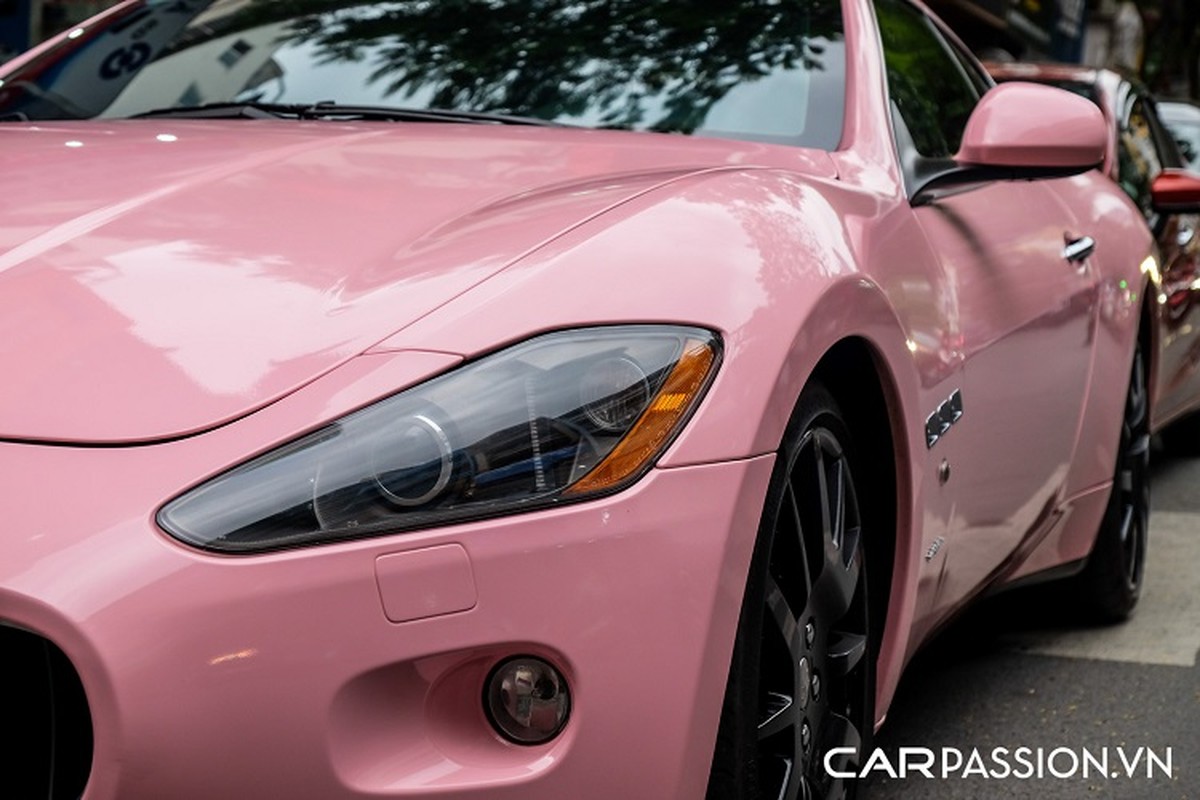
(1077, 250)
(948, 413)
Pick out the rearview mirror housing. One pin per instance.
(1027, 125)
(1020, 131)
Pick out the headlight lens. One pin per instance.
(565, 416)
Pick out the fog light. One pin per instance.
(527, 700)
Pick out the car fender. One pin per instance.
(767, 259)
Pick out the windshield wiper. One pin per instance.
(228, 111)
(337, 111)
(328, 110)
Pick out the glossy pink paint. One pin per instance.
(359, 705)
(187, 326)
(199, 278)
(1065, 129)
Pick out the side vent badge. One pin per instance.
(934, 549)
(948, 413)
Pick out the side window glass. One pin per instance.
(1168, 149)
(928, 86)
(972, 71)
(1137, 159)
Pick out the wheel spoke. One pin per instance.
(780, 715)
(1127, 523)
(834, 591)
(790, 778)
(838, 531)
(793, 506)
(832, 490)
(785, 621)
(806, 791)
(838, 731)
(1131, 482)
(846, 650)
(1136, 410)
(1125, 481)
(849, 543)
(1136, 404)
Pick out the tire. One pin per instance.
(802, 677)
(1112, 580)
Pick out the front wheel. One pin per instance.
(1112, 579)
(802, 680)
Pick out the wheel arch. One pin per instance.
(872, 396)
(852, 341)
(854, 376)
(852, 372)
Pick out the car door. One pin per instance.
(1026, 312)
(1144, 150)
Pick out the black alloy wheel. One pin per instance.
(1112, 579)
(802, 676)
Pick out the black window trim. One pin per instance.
(928, 179)
(919, 171)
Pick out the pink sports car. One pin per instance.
(530, 400)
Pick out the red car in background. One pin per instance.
(1144, 159)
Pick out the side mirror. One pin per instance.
(1021, 131)
(1176, 191)
(1034, 126)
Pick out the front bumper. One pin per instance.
(281, 675)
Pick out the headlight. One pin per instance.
(566, 416)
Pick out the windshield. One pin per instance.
(748, 70)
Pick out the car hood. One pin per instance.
(162, 277)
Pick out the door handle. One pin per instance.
(1078, 249)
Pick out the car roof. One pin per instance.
(1043, 71)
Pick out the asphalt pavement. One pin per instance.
(1018, 688)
